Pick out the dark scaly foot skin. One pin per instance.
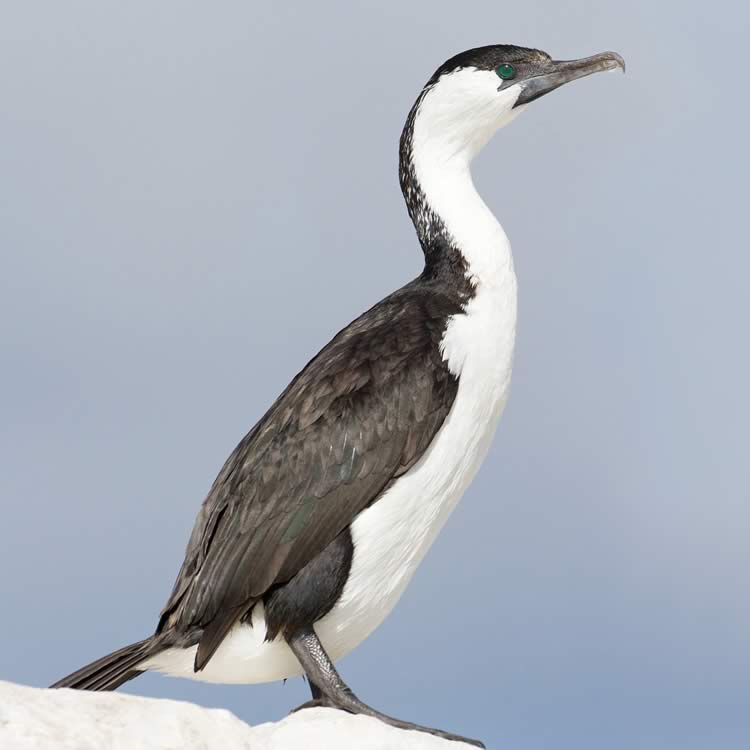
(330, 691)
(398, 723)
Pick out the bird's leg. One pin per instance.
(317, 693)
(333, 692)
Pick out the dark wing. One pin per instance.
(361, 413)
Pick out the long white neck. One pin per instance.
(438, 146)
(475, 232)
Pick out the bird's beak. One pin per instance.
(564, 71)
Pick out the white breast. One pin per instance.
(392, 536)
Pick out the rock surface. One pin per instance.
(42, 719)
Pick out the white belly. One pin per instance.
(392, 536)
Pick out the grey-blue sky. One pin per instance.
(194, 197)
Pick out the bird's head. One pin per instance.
(478, 91)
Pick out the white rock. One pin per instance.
(43, 719)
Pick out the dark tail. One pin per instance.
(111, 671)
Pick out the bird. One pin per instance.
(319, 518)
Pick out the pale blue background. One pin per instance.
(195, 196)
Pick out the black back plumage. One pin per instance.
(358, 416)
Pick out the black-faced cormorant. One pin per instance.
(319, 518)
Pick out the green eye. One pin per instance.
(506, 71)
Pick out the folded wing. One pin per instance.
(359, 415)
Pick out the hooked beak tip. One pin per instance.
(615, 61)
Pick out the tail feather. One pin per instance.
(111, 671)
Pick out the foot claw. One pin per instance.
(397, 723)
(440, 733)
